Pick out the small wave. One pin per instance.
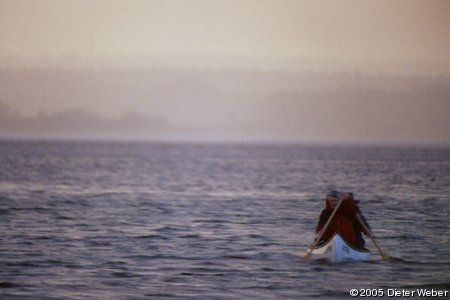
(31, 209)
(203, 272)
(65, 218)
(189, 236)
(4, 211)
(236, 256)
(186, 274)
(99, 243)
(151, 236)
(166, 229)
(37, 191)
(143, 257)
(123, 274)
(43, 237)
(213, 221)
(8, 285)
(332, 293)
(422, 263)
(23, 264)
(256, 236)
(162, 296)
(95, 195)
(267, 269)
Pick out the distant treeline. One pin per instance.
(79, 122)
(255, 103)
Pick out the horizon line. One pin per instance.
(230, 140)
(289, 64)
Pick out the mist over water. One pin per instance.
(227, 104)
(225, 221)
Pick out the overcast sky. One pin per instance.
(378, 37)
(353, 31)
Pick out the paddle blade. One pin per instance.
(391, 258)
(307, 256)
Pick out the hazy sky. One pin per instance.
(351, 31)
(378, 37)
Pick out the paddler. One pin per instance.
(344, 221)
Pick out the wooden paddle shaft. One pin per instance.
(308, 254)
(358, 216)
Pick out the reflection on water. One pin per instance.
(124, 220)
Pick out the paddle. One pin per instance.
(308, 254)
(383, 255)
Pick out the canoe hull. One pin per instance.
(337, 250)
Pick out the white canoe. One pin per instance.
(337, 250)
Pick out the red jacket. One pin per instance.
(342, 221)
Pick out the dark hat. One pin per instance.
(334, 194)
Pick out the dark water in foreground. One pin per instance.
(133, 221)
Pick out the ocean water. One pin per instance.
(99, 220)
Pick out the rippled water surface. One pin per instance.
(185, 221)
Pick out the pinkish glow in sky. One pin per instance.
(287, 58)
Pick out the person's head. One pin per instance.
(332, 199)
